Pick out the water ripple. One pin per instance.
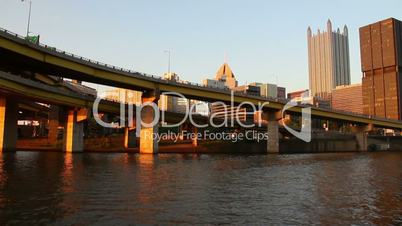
(126, 189)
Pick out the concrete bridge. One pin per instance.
(21, 93)
(18, 56)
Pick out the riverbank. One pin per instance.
(114, 144)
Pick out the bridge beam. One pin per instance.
(148, 138)
(74, 130)
(273, 130)
(8, 124)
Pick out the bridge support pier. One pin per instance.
(194, 137)
(148, 134)
(273, 131)
(74, 130)
(53, 125)
(361, 136)
(130, 138)
(8, 124)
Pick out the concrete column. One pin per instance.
(180, 131)
(148, 138)
(273, 137)
(361, 139)
(8, 124)
(273, 131)
(130, 138)
(74, 131)
(53, 125)
(194, 138)
(361, 136)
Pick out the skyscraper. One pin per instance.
(381, 60)
(328, 59)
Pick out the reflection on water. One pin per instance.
(119, 189)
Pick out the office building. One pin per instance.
(212, 83)
(303, 97)
(298, 95)
(123, 96)
(381, 64)
(281, 92)
(328, 60)
(266, 89)
(348, 98)
(248, 90)
(171, 76)
(165, 103)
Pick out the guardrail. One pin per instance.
(112, 67)
(77, 57)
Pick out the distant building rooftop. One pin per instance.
(79, 88)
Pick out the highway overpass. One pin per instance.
(18, 55)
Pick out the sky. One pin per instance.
(264, 41)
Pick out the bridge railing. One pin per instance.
(112, 67)
(77, 57)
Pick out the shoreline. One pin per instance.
(188, 149)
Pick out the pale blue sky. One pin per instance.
(261, 38)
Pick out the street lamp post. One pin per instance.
(29, 15)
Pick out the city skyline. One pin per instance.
(138, 112)
(255, 43)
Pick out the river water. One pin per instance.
(172, 189)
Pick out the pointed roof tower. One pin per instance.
(345, 30)
(224, 72)
(329, 26)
